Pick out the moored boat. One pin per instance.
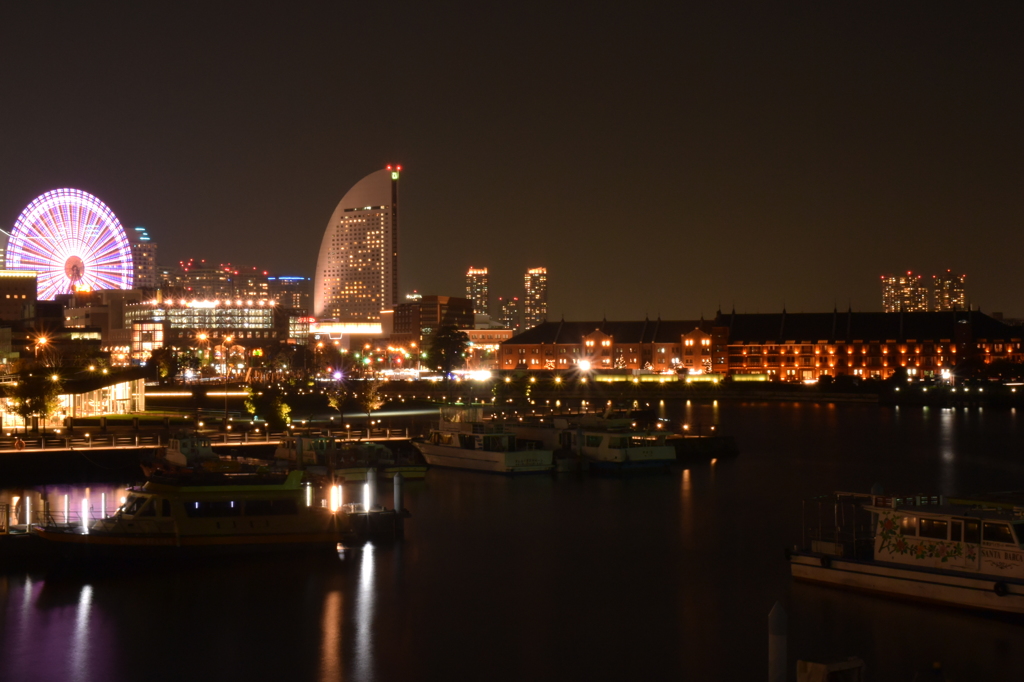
(188, 452)
(958, 551)
(217, 512)
(611, 443)
(463, 440)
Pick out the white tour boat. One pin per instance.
(463, 440)
(208, 512)
(188, 452)
(959, 551)
(602, 442)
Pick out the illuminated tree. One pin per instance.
(35, 394)
(447, 349)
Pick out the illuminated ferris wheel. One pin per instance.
(75, 243)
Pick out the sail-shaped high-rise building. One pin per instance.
(357, 272)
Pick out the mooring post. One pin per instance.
(777, 644)
(371, 488)
(399, 504)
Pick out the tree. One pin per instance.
(267, 401)
(337, 395)
(372, 397)
(36, 394)
(447, 349)
(166, 362)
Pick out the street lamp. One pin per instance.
(227, 341)
(40, 342)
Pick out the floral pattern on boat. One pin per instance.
(891, 540)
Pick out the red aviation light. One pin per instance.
(398, 168)
(389, 166)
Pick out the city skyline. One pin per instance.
(792, 141)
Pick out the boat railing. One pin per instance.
(838, 525)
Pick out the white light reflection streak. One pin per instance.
(687, 510)
(364, 616)
(330, 647)
(947, 455)
(79, 659)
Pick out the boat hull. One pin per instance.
(102, 546)
(630, 465)
(530, 461)
(975, 591)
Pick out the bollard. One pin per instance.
(371, 487)
(399, 497)
(777, 644)
(399, 504)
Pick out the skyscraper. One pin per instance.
(904, 293)
(357, 272)
(477, 290)
(143, 259)
(509, 313)
(535, 304)
(948, 292)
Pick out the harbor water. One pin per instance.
(574, 577)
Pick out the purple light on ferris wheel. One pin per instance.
(74, 241)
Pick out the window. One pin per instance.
(997, 532)
(956, 530)
(134, 504)
(270, 507)
(593, 441)
(933, 528)
(908, 525)
(212, 508)
(972, 531)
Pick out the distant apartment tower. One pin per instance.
(143, 259)
(477, 290)
(948, 292)
(356, 274)
(904, 293)
(510, 311)
(535, 303)
(291, 292)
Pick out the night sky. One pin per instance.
(657, 159)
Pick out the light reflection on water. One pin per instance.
(520, 578)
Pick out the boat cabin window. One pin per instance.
(270, 507)
(133, 504)
(593, 441)
(212, 508)
(618, 442)
(972, 531)
(908, 525)
(956, 530)
(147, 509)
(997, 532)
(933, 528)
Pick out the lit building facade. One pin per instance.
(17, 294)
(484, 349)
(904, 293)
(535, 303)
(357, 270)
(783, 346)
(292, 292)
(143, 259)
(948, 292)
(477, 290)
(415, 322)
(250, 322)
(510, 313)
